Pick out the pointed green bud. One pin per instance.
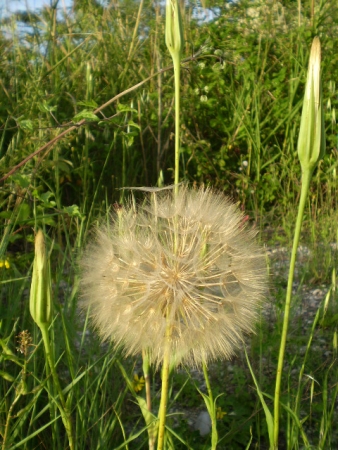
(174, 37)
(40, 303)
(311, 140)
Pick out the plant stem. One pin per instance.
(174, 38)
(146, 373)
(177, 77)
(306, 177)
(212, 412)
(164, 392)
(66, 419)
(8, 420)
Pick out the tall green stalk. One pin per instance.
(164, 392)
(177, 75)
(174, 41)
(301, 206)
(311, 147)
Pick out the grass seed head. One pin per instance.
(181, 261)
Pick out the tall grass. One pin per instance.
(242, 87)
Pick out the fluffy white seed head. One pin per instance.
(178, 271)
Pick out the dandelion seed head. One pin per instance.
(181, 263)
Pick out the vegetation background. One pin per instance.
(242, 88)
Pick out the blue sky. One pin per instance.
(23, 5)
(9, 6)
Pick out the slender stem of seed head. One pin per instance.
(306, 177)
(214, 433)
(165, 388)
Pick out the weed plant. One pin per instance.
(243, 76)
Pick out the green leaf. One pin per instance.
(72, 211)
(125, 108)
(131, 123)
(24, 212)
(87, 115)
(45, 198)
(88, 103)
(6, 214)
(21, 180)
(26, 125)
(6, 376)
(268, 415)
(45, 107)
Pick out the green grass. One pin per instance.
(241, 102)
(101, 401)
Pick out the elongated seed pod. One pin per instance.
(311, 140)
(40, 303)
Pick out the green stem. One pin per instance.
(177, 77)
(8, 420)
(176, 57)
(146, 373)
(66, 419)
(306, 177)
(164, 392)
(164, 401)
(212, 412)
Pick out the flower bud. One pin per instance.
(173, 28)
(311, 140)
(40, 303)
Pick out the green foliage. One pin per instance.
(243, 81)
(241, 98)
